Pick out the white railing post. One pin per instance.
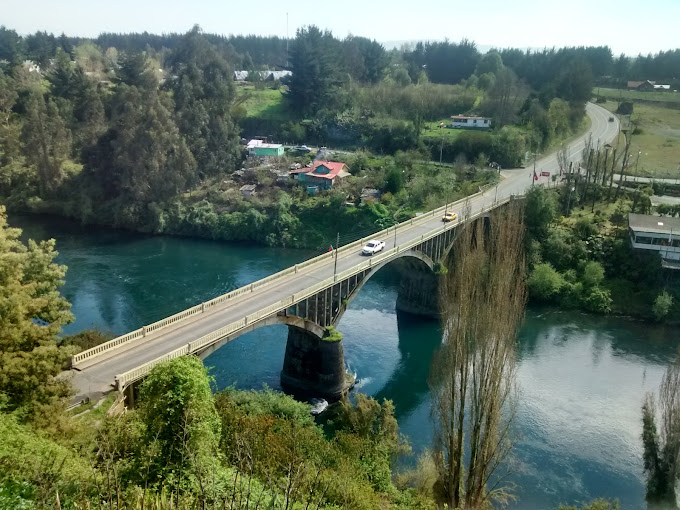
(202, 307)
(143, 330)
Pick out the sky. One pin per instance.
(627, 26)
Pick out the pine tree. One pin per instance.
(143, 157)
(32, 313)
(47, 142)
(204, 94)
(315, 76)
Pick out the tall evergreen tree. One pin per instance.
(32, 313)
(142, 158)
(47, 142)
(204, 94)
(315, 74)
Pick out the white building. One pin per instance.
(656, 233)
(466, 122)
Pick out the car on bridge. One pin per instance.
(372, 247)
(449, 216)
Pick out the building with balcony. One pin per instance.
(656, 233)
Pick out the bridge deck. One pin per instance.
(97, 374)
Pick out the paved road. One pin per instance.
(99, 374)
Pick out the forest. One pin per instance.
(142, 131)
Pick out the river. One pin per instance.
(582, 378)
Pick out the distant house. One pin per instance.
(648, 86)
(247, 190)
(321, 175)
(656, 233)
(263, 75)
(30, 66)
(260, 148)
(466, 122)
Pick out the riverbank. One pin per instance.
(583, 260)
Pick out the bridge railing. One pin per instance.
(122, 380)
(141, 333)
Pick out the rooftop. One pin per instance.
(467, 117)
(656, 224)
(259, 143)
(335, 168)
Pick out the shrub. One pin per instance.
(662, 305)
(598, 300)
(545, 282)
(593, 274)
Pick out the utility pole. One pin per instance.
(287, 63)
(533, 176)
(395, 235)
(337, 244)
(441, 148)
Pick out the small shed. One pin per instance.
(247, 190)
(370, 195)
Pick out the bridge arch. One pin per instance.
(415, 258)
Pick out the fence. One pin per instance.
(201, 343)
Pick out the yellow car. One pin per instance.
(450, 216)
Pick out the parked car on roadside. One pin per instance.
(372, 247)
(302, 148)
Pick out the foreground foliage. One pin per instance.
(187, 448)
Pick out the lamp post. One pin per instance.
(335, 265)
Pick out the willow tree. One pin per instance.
(472, 377)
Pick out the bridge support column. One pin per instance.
(314, 367)
(418, 292)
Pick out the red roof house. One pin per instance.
(321, 175)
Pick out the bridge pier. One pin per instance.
(313, 366)
(418, 290)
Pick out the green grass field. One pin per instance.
(431, 129)
(632, 95)
(266, 103)
(659, 141)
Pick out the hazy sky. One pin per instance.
(630, 26)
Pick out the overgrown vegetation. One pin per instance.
(584, 260)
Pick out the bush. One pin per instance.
(662, 305)
(598, 300)
(545, 282)
(593, 274)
